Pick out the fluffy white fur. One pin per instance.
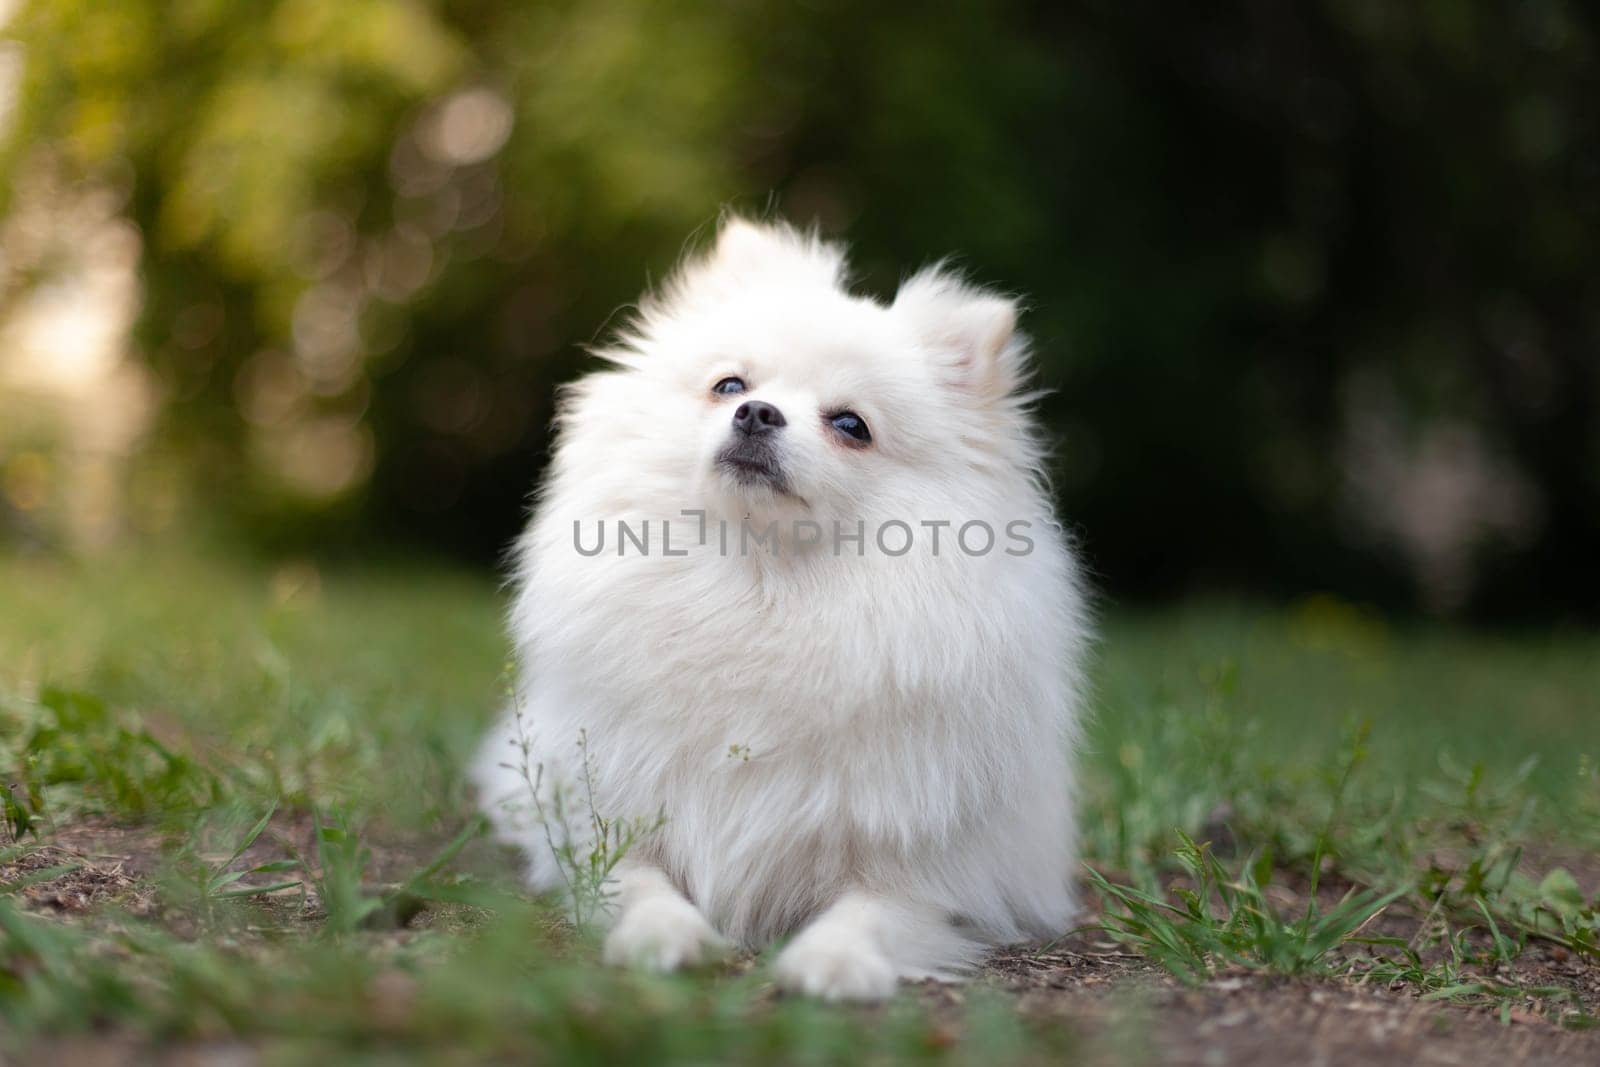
(869, 753)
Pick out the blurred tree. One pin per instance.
(1315, 285)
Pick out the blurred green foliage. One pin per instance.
(1315, 286)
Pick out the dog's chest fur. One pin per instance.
(793, 731)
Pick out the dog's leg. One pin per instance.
(657, 928)
(862, 944)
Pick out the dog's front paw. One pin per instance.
(662, 934)
(822, 963)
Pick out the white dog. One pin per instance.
(794, 597)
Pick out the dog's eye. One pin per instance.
(728, 386)
(851, 425)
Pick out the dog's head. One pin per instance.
(776, 392)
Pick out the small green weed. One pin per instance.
(73, 748)
(350, 902)
(204, 884)
(1459, 973)
(587, 844)
(1225, 918)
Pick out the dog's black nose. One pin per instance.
(757, 416)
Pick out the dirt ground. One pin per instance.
(1243, 1017)
(1246, 1018)
(1122, 1003)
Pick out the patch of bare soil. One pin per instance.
(65, 878)
(1124, 1004)
(117, 864)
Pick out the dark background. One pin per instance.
(1314, 285)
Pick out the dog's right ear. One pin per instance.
(747, 250)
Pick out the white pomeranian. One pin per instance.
(794, 604)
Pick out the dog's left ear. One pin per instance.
(972, 332)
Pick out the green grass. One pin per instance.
(294, 737)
